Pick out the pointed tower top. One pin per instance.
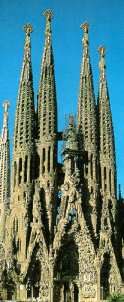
(6, 105)
(47, 107)
(102, 65)
(24, 122)
(49, 15)
(85, 40)
(85, 27)
(102, 51)
(27, 48)
(71, 120)
(86, 103)
(28, 29)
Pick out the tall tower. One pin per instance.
(107, 145)
(87, 125)
(47, 125)
(107, 245)
(4, 169)
(23, 157)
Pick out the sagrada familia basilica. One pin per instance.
(61, 224)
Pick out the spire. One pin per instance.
(88, 127)
(47, 107)
(5, 122)
(5, 159)
(103, 91)
(85, 42)
(24, 123)
(106, 126)
(86, 103)
(107, 144)
(48, 14)
(47, 124)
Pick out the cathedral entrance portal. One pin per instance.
(33, 284)
(76, 293)
(70, 292)
(66, 272)
(67, 292)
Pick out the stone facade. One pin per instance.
(61, 239)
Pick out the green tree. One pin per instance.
(116, 298)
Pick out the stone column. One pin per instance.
(98, 279)
(51, 158)
(62, 294)
(28, 169)
(17, 175)
(51, 282)
(22, 293)
(72, 291)
(46, 161)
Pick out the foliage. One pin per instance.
(116, 298)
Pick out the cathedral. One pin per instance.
(61, 223)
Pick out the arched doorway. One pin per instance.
(34, 275)
(76, 293)
(67, 271)
(104, 276)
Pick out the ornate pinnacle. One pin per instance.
(85, 27)
(85, 41)
(28, 29)
(71, 120)
(102, 65)
(6, 105)
(101, 50)
(48, 14)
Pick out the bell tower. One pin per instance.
(47, 125)
(23, 158)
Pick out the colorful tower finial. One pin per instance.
(102, 50)
(85, 27)
(6, 105)
(49, 15)
(28, 29)
(27, 48)
(102, 65)
(47, 91)
(85, 39)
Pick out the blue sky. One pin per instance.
(106, 21)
